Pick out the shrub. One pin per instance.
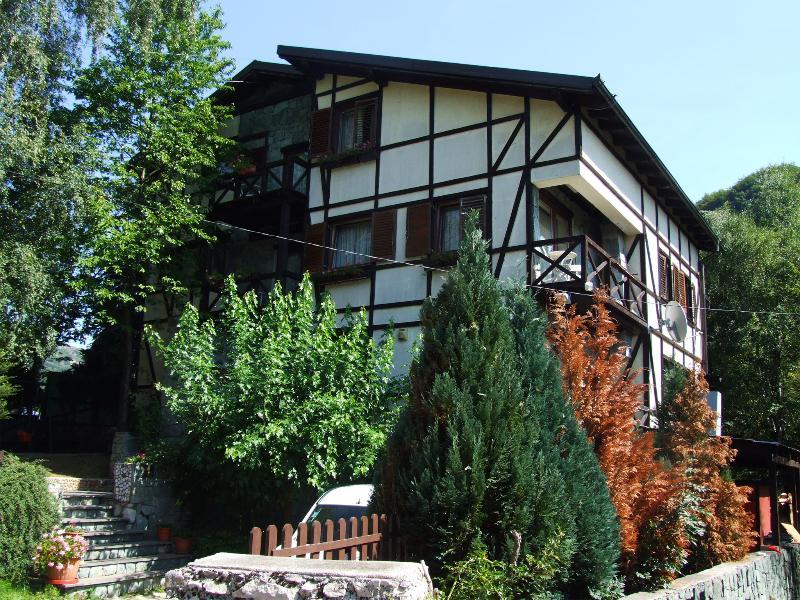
(27, 511)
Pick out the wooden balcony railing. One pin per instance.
(288, 174)
(579, 264)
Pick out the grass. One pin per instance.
(33, 591)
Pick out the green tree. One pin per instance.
(461, 467)
(48, 205)
(277, 397)
(144, 100)
(753, 354)
(594, 567)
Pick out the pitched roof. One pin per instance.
(569, 90)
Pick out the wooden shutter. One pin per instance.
(365, 121)
(383, 228)
(663, 277)
(475, 203)
(679, 285)
(320, 132)
(314, 255)
(418, 229)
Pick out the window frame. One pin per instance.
(351, 104)
(449, 203)
(557, 209)
(334, 228)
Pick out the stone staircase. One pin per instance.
(120, 560)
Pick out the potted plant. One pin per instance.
(58, 555)
(164, 532)
(183, 543)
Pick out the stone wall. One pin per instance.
(242, 576)
(143, 498)
(760, 576)
(286, 123)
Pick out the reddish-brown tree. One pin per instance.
(727, 531)
(606, 398)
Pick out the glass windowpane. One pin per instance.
(450, 228)
(354, 238)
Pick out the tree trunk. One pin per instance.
(126, 357)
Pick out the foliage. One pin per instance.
(724, 530)
(606, 398)
(753, 355)
(144, 101)
(587, 499)
(58, 548)
(465, 467)
(7, 386)
(48, 204)
(27, 511)
(278, 391)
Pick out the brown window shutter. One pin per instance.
(418, 229)
(679, 284)
(663, 278)
(383, 228)
(314, 254)
(320, 132)
(475, 203)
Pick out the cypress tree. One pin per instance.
(567, 446)
(460, 468)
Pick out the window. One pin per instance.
(355, 241)
(451, 218)
(356, 125)
(555, 221)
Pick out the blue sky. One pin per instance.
(713, 85)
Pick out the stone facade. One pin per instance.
(760, 576)
(143, 498)
(285, 123)
(241, 576)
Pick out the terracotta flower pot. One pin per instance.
(67, 574)
(182, 545)
(164, 534)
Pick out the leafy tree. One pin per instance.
(48, 205)
(596, 526)
(462, 467)
(753, 354)
(722, 528)
(144, 100)
(605, 397)
(276, 397)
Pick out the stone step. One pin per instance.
(87, 511)
(114, 585)
(84, 497)
(133, 564)
(105, 538)
(142, 548)
(100, 524)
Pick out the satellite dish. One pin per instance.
(675, 321)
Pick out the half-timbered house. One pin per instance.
(387, 155)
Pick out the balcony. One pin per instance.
(578, 264)
(286, 176)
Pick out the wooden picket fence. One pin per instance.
(373, 537)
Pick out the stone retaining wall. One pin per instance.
(143, 498)
(242, 576)
(760, 576)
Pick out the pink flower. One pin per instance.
(59, 567)
(51, 564)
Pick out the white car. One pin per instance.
(340, 503)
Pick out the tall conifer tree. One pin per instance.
(460, 468)
(596, 525)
